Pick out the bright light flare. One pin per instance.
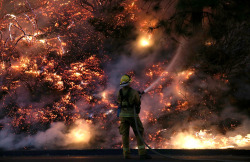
(3, 66)
(28, 38)
(42, 41)
(186, 74)
(80, 133)
(104, 95)
(145, 42)
(206, 140)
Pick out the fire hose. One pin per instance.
(140, 136)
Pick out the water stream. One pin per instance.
(169, 68)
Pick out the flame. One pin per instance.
(2, 65)
(42, 41)
(205, 140)
(28, 64)
(104, 95)
(80, 134)
(145, 41)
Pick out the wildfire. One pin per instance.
(52, 70)
(80, 134)
(205, 140)
(145, 41)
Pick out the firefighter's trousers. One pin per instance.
(126, 123)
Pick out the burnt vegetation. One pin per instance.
(69, 66)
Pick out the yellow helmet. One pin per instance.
(125, 80)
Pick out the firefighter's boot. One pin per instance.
(126, 153)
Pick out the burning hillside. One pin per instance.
(60, 66)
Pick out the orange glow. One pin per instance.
(79, 135)
(205, 140)
(145, 41)
(58, 60)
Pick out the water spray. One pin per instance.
(169, 67)
(156, 82)
(136, 125)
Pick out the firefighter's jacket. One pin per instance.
(133, 98)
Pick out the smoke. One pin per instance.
(183, 120)
(211, 138)
(56, 100)
(172, 63)
(58, 136)
(185, 113)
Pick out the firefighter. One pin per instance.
(128, 98)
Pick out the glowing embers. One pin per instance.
(2, 65)
(209, 42)
(55, 80)
(42, 41)
(179, 81)
(86, 72)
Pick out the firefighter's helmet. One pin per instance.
(125, 80)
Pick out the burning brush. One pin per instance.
(57, 90)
